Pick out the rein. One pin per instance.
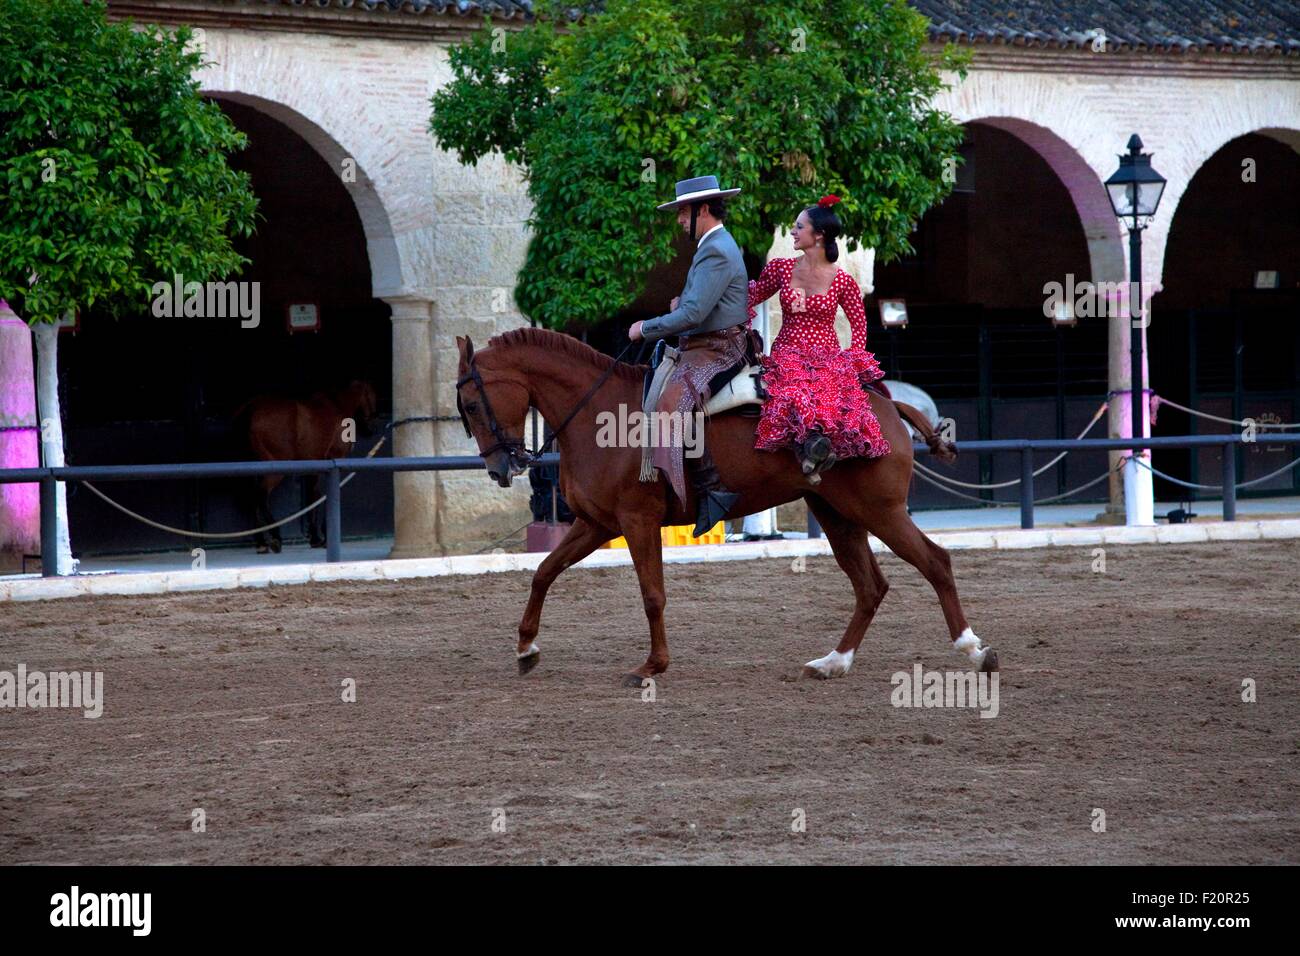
(515, 447)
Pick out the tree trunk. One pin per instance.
(47, 399)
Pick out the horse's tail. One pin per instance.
(943, 450)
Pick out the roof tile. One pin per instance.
(1227, 26)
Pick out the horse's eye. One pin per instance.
(472, 407)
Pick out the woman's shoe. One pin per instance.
(814, 452)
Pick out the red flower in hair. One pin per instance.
(828, 200)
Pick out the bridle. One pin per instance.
(520, 455)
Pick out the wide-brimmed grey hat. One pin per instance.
(697, 190)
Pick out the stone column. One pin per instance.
(415, 494)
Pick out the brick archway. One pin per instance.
(385, 260)
(1100, 227)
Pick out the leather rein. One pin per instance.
(520, 455)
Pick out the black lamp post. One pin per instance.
(1135, 189)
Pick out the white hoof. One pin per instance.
(970, 646)
(528, 658)
(833, 664)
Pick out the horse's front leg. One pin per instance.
(316, 517)
(582, 539)
(646, 546)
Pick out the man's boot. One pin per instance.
(712, 500)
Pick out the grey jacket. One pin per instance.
(716, 295)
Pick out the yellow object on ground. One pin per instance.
(681, 534)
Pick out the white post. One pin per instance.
(1139, 486)
(762, 522)
(51, 423)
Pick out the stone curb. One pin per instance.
(171, 582)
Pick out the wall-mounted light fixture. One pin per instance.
(893, 313)
(1063, 314)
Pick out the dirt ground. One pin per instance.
(1121, 691)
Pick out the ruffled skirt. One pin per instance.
(820, 389)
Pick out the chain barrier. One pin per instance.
(937, 476)
(229, 535)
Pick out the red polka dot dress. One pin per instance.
(814, 384)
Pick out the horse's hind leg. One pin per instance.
(582, 539)
(268, 485)
(907, 541)
(251, 499)
(259, 507)
(852, 551)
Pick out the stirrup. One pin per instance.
(815, 476)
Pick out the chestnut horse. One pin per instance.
(554, 374)
(286, 429)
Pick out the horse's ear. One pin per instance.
(469, 349)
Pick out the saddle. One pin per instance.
(738, 387)
(742, 388)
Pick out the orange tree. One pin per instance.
(114, 166)
(787, 101)
(115, 176)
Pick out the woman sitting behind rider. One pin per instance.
(817, 404)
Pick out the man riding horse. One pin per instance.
(709, 319)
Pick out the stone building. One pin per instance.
(408, 248)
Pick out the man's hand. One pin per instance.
(672, 306)
(634, 332)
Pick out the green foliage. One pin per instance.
(114, 167)
(787, 101)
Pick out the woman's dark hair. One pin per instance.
(823, 220)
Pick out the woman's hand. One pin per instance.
(634, 331)
(672, 306)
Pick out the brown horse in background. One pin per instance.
(286, 429)
(552, 372)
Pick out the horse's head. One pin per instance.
(493, 405)
(359, 402)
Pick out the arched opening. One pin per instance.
(1026, 211)
(154, 389)
(1224, 336)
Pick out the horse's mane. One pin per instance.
(567, 345)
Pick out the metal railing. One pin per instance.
(1026, 448)
(333, 470)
